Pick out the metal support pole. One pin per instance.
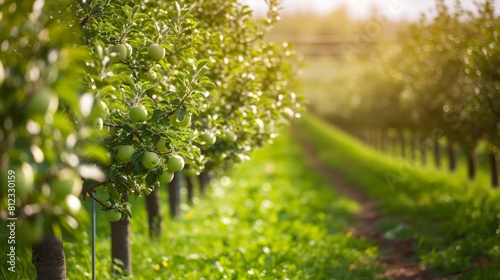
(93, 239)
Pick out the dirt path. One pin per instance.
(396, 254)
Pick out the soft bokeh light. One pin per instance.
(358, 8)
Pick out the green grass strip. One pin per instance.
(456, 223)
(270, 218)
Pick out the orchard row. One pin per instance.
(439, 80)
(109, 99)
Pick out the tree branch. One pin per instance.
(90, 188)
(104, 206)
(113, 125)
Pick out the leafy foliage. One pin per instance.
(81, 79)
(212, 68)
(45, 134)
(438, 78)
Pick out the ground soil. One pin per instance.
(397, 256)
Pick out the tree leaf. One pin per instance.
(151, 179)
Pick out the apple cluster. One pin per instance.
(161, 90)
(195, 94)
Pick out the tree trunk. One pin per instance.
(204, 180)
(174, 196)
(452, 154)
(494, 169)
(471, 164)
(120, 245)
(423, 151)
(413, 146)
(369, 141)
(154, 215)
(394, 144)
(48, 259)
(190, 189)
(402, 140)
(357, 133)
(374, 138)
(383, 138)
(437, 153)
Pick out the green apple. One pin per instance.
(190, 172)
(98, 123)
(150, 160)
(118, 52)
(125, 153)
(166, 177)
(42, 102)
(219, 158)
(2, 73)
(100, 109)
(209, 138)
(173, 60)
(156, 52)
(175, 163)
(66, 183)
(151, 75)
(229, 136)
(114, 215)
(161, 145)
(138, 113)
(260, 125)
(129, 49)
(181, 123)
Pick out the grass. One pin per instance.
(270, 218)
(456, 223)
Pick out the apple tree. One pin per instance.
(481, 66)
(254, 92)
(45, 146)
(146, 83)
(110, 99)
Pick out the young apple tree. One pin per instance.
(45, 139)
